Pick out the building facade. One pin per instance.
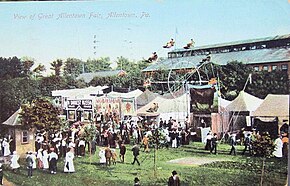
(269, 54)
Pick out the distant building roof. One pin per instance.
(252, 51)
(13, 120)
(241, 42)
(247, 56)
(88, 77)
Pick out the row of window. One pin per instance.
(283, 67)
(205, 51)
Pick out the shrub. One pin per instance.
(263, 146)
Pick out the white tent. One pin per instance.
(242, 109)
(79, 92)
(176, 108)
(132, 94)
(274, 106)
(223, 103)
(244, 102)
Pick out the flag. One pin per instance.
(176, 31)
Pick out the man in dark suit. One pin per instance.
(122, 152)
(174, 179)
(136, 151)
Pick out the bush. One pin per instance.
(263, 146)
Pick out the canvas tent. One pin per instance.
(145, 98)
(275, 108)
(244, 103)
(79, 92)
(220, 120)
(222, 104)
(241, 109)
(132, 94)
(176, 108)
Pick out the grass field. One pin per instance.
(231, 170)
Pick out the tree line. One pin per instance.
(21, 82)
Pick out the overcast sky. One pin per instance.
(47, 31)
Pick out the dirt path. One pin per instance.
(195, 160)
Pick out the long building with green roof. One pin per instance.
(270, 53)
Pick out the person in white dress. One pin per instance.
(39, 157)
(14, 161)
(6, 147)
(278, 147)
(69, 163)
(102, 156)
(33, 156)
(45, 159)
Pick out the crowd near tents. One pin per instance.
(245, 112)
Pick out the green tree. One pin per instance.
(124, 64)
(27, 63)
(73, 67)
(233, 77)
(48, 84)
(56, 67)
(38, 70)
(41, 114)
(10, 68)
(100, 64)
(14, 92)
(264, 83)
(90, 132)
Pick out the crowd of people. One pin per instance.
(110, 136)
(247, 139)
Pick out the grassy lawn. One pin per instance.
(232, 170)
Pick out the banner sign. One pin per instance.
(128, 107)
(84, 104)
(108, 105)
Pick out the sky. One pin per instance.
(46, 31)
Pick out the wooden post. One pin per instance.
(263, 170)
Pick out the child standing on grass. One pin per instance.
(14, 161)
(29, 162)
(102, 156)
(214, 143)
(52, 157)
